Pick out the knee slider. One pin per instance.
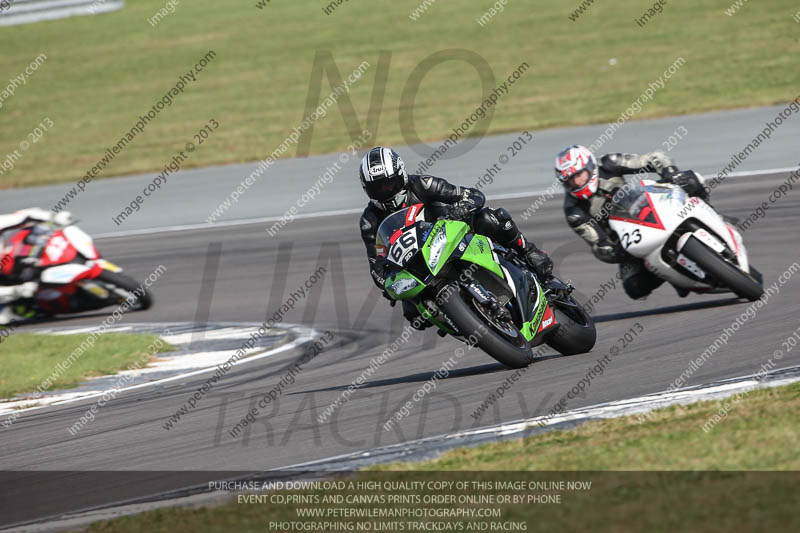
(502, 215)
(506, 226)
(496, 224)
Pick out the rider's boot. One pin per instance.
(7, 315)
(682, 292)
(536, 259)
(15, 296)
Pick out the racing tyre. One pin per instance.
(128, 286)
(758, 276)
(508, 348)
(742, 284)
(576, 332)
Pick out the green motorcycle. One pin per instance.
(478, 291)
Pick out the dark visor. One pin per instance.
(384, 188)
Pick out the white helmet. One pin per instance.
(573, 160)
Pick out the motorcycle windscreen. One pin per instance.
(632, 203)
(388, 241)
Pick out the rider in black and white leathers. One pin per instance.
(586, 206)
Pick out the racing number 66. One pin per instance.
(633, 237)
(406, 242)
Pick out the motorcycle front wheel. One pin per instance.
(497, 340)
(743, 285)
(127, 286)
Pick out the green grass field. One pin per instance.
(760, 432)
(103, 72)
(27, 360)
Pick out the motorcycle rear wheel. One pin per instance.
(576, 331)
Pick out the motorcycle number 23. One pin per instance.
(405, 245)
(633, 237)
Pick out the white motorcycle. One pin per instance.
(682, 239)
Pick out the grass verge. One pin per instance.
(709, 482)
(29, 361)
(103, 72)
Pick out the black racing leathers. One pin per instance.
(436, 194)
(441, 198)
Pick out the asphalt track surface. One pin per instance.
(253, 274)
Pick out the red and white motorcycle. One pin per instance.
(72, 276)
(682, 239)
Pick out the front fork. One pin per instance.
(488, 300)
(430, 311)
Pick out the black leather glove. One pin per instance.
(392, 301)
(689, 182)
(459, 211)
(378, 269)
(668, 172)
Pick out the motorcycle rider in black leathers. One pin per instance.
(384, 179)
(590, 187)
